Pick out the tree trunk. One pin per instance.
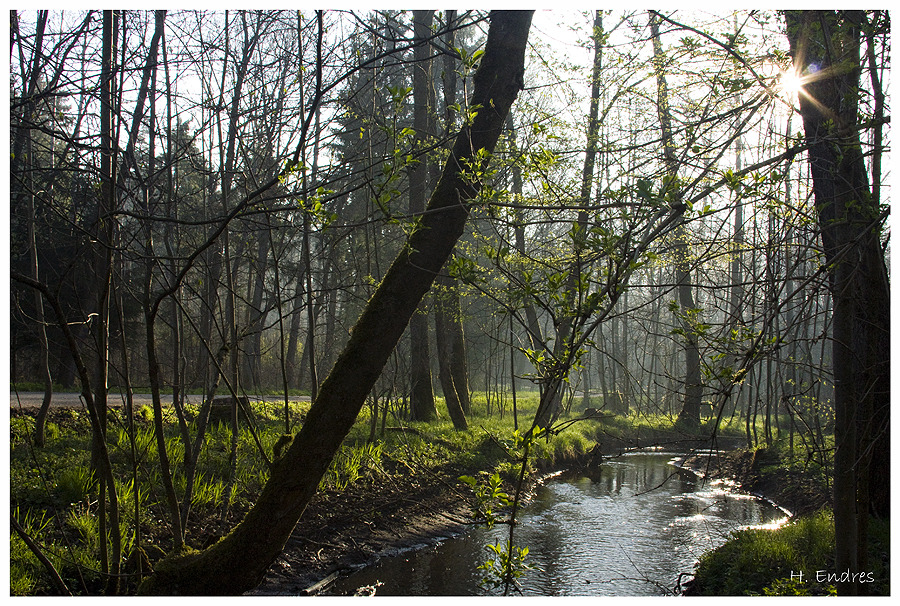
(294, 331)
(550, 407)
(693, 387)
(444, 297)
(459, 361)
(24, 139)
(421, 390)
(257, 313)
(453, 367)
(850, 222)
(238, 562)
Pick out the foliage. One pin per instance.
(74, 484)
(489, 496)
(350, 464)
(505, 567)
(25, 570)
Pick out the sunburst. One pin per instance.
(791, 83)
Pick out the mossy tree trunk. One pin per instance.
(239, 561)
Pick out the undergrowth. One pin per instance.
(54, 493)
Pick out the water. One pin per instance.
(628, 528)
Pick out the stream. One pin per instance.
(626, 528)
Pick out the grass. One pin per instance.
(769, 562)
(755, 559)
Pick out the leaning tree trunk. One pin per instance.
(238, 562)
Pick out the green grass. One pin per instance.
(758, 561)
(769, 562)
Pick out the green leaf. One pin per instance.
(468, 480)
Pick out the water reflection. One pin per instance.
(627, 528)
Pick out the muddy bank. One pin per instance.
(340, 532)
(755, 472)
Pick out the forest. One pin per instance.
(284, 283)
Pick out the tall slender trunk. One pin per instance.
(693, 386)
(24, 140)
(459, 363)
(103, 265)
(421, 391)
(551, 400)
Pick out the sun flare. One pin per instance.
(791, 82)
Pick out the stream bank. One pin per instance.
(368, 521)
(757, 472)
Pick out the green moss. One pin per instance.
(168, 573)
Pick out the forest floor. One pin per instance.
(339, 531)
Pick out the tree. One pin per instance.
(421, 397)
(551, 398)
(825, 46)
(453, 370)
(237, 562)
(685, 307)
(23, 143)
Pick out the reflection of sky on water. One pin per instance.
(628, 528)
